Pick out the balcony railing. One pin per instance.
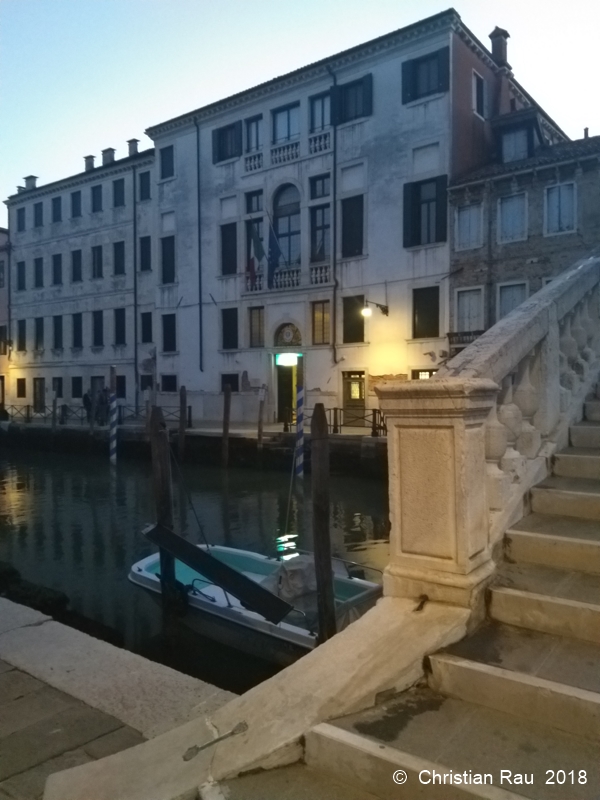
(460, 339)
(253, 162)
(284, 153)
(286, 279)
(319, 143)
(289, 278)
(319, 275)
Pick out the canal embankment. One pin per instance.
(67, 699)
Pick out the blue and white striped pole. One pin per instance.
(300, 431)
(113, 417)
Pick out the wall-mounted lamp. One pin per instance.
(367, 312)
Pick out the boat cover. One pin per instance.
(294, 578)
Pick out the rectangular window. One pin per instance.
(167, 162)
(320, 186)
(57, 387)
(76, 270)
(469, 233)
(286, 124)
(76, 388)
(478, 95)
(120, 326)
(3, 339)
(231, 379)
(469, 310)
(169, 331)
(426, 313)
(353, 321)
(320, 322)
(38, 273)
(168, 383)
(144, 186)
(254, 247)
(119, 192)
(427, 75)
(57, 332)
(77, 330)
(57, 269)
(121, 387)
(96, 198)
(354, 100)
(320, 112)
(75, 204)
(119, 258)
(145, 382)
(515, 145)
(97, 329)
(510, 296)
(229, 249)
(512, 218)
(21, 335)
(253, 134)
(229, 320)
(167, 245)
(146, 326)
(560, 208)
(57, 209)
(227, 142)
(2, 274)
(21, 388)
(38, 215)
(20, 219)
(352, 226)
(38, 333)
(320, 248)
(21, 282)
(97, 267)
(425, 212)
(257, 326)
(145, 253)
(254, 202)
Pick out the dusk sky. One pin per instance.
(77, 76)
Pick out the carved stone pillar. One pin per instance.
(438, 500)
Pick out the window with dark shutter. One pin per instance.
(229, 319)
(257, 326)
(167, 162)
(425, 212)
(146, 326)
(119, 258)
(227, 142)
(38, 215)
(119, 192)
(57, 269)
(57, 209)
(353, 320)
(120, 387)
(167, 246)
(97, 328)
(38, 333)
(77, 330)
(97, 265)
(119, 326)
(38, 273)
(21, 335)
(320, 322)
(21, 388)
(21, 283)
(426, 313)
(96, 198)
(229, 249)
(144, 186)
(3, 339)
(20, 219)
(145, 382)
(352, 226)
(231, 379)
(353, 100)
(57, 387)
(57, 332)
(145, 254)
(76, 388)
(75, 204)
(76, 270)
(168, 383)
(427, 75)
(169, 331)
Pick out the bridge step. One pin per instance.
(585, 434)
(570, 497)
(555, 541)
(592, 410)
(578, 462)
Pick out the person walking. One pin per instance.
(87, 404)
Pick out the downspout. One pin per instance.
(200, 336)
(334, 219)
(136, 369)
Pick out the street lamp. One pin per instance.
(367, 312)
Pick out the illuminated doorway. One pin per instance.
(354, 398)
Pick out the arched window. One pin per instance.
(286, 212)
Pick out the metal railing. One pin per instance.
(339, 418)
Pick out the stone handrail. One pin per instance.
(466, 446)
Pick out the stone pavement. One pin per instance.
(43, 730)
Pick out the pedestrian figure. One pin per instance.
(87, 404)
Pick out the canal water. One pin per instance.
(70, 523)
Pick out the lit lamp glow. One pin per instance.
(367, 312)
(286, 359)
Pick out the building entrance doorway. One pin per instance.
(289, 377)
(354, 398)
(39, 395)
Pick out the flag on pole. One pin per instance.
(273, 257)
(257, 253)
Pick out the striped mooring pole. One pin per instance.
(113, 417)
(300, 431)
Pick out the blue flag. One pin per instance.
(273, 257)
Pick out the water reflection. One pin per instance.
(71, 524)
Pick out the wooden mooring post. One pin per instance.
(226, 416)
(322, 544)
(161, 481)
(182, 422)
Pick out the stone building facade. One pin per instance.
(4, 317)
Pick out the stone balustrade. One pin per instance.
(466, 446)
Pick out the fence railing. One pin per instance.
(339, 418)
(66, 414)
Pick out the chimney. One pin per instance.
(108, 156)
(586, 133)
(133, 146)
(20, 189)
(499, 39)
(89, 162)
(30, 182)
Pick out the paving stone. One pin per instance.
(33, 707)
(15, 684)
(29, 785)
(52, 736)
(4, 667)
(114, 742)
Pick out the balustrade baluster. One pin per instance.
(509, 414)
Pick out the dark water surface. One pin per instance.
(71, 524)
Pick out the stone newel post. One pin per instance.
(437, 475)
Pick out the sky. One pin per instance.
(78, 76)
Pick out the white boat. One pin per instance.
(218, 615)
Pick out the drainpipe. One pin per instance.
(200, 336)
(334, 220)
(136, 369)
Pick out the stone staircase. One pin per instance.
(522, 694)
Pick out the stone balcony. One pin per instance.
(286, 152)
(289, 278)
